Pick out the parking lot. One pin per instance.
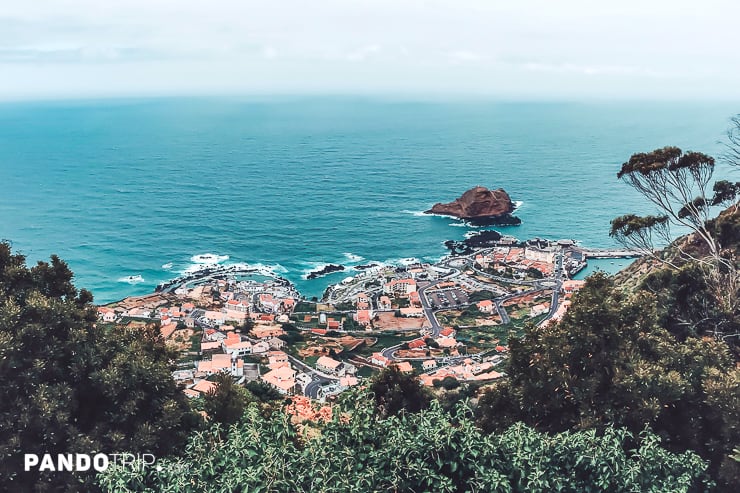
(452, 297)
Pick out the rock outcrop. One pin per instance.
(479, 203)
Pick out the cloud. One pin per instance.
(363, 53)
(574, 68)
(463, 56)
(450, 46)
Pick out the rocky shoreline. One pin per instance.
(327, 269)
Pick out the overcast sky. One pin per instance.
(520, 49)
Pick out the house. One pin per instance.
(167, 330)
(572, 285)
(399, 287)
(404, 367)
(276, 343)
(221, 363)
(481, 261)
(329, 365)
(190, 393)
(231, 338)
(447, 332)
(260, 347)
(333, 324)
(187, 307)
(362, 298)
(446, 342)
(200, 388)
(267, 331)
(540, 254)
(288, 304)
(274, 357)
(319, 332)
(139, 313)
(411, 312)
(237, 306)
(486, 306)
(414, 299)
(429, 364)
(203, 386)
(283, 379)
(267, 302)
(214, 335)
(209, 346)
(106, 314)
(379, 359)
(241, 348)
(183, 376)
(384, 303)
(216, 318)
(348, 381)
(417, 344)
(189, 322)
(538, 310)
(363, 317)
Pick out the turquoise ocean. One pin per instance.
(123, 188)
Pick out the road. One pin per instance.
(319, 379)
(559, 275)
(435, 328)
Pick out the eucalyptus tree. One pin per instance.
(680, 186)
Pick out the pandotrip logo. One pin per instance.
(86, 462)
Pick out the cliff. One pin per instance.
(477, 203)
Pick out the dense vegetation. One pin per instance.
(69, 386)
(608, 362)
(432, 450)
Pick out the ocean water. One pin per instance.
(123, 188)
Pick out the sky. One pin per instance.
(524, 49)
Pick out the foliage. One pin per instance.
(684, 303)
(227, 401)
(396, 392)
(72, 387)
(359, 451)
(263, 392)
(481, 295)
(677, 183)
(608, 362)
(247, 325)
(431, 343)
(447, 383)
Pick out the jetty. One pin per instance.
(607, 253)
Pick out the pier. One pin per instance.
(608, 253)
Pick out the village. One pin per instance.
(444, 322)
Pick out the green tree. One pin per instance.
(397, 392)
(247, 325)
(226, 402)
(70, 386)
(608, 362)
(432, 450)
(263, 392)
